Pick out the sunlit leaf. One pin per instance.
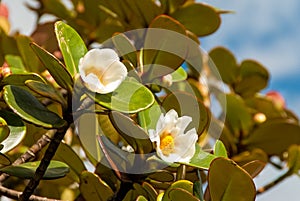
(20, 79)
(15, 63)
(254, 167)
(93, 188)
(227, 181)
(148, 118)
(220, 150)
(129, 97)
(4, 160)
(179, 75)
(56, 169)
(180, 184)
(4, 129)
(30, 109)
(71, 46)
(17, 130)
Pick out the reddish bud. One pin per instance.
(3, 10)
(276, 98)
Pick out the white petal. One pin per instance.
(92, 82)
(114, 75)
(98, 58)
(153, 135)
(183, 122)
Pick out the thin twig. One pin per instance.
(31, 152)
(13, 194)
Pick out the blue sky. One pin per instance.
(265, 30)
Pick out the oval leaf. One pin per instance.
(55, 67)
(254, 167)
(71, 46)
(223, 185)
(93, 188)
(4, 129)
(129, 97)
(56, 169)
(220, 150)
(17, 130)
(29, 108)
(20, 79)
(199, 18)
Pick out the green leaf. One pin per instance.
(55, 67)
(129, 97)
(66, 154)
(58, 9)
(187, 105)
(56, 169)
(162, 176)
(180, 184)
(4, 160)
(273, 136)
(165, 47)
(246, 157)
(93, 188)
(17, 130)
(131, 132)
(220, 150)
(169, 6)
(201, 159)
(71, 46)
(45, 90)
(15, 63)
(20, 79)
(226, 64)
(227, 181)
(29, 108)
(125, 48)
(152, 193)
(179, 75)
(178, 194)
(30, 60)
(199, 18)
(238, 116)
(141, 198)
(148, 118)
(254, 77)
(254, 167)
(4, 130)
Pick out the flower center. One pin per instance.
(166, 144)
(96, 72)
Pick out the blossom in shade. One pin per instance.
(173, 144)
(101, 70)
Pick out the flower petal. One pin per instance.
(185, 145)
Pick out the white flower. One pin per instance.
(101, 70)
(172, 144)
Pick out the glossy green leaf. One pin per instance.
(29, 108)
(152, 194)
(180, 184)
(220, 150)
(246, 157)
(179, 195)
(55, 67)
(227, 181)
(125, 48)
(30, 60)
(199, 18)
(201, 159)
(179, 75)
(17, 130)
(293, 160)
(45, 90)
(188, 105)
(238, 116)
(274, 136)
(169, 6)
(148, 118)
(254, 167)
(71, 46)
(165, 47)
(254, 77)
(93, 188)
(226, 64)
(20, 79)
(4, 130)
(15, 62)
(131, 132)
(56, 169)
(129, 97)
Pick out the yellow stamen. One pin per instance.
(166, 143)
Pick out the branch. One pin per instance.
(31, 152)
(16, 195)
(39, 173)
